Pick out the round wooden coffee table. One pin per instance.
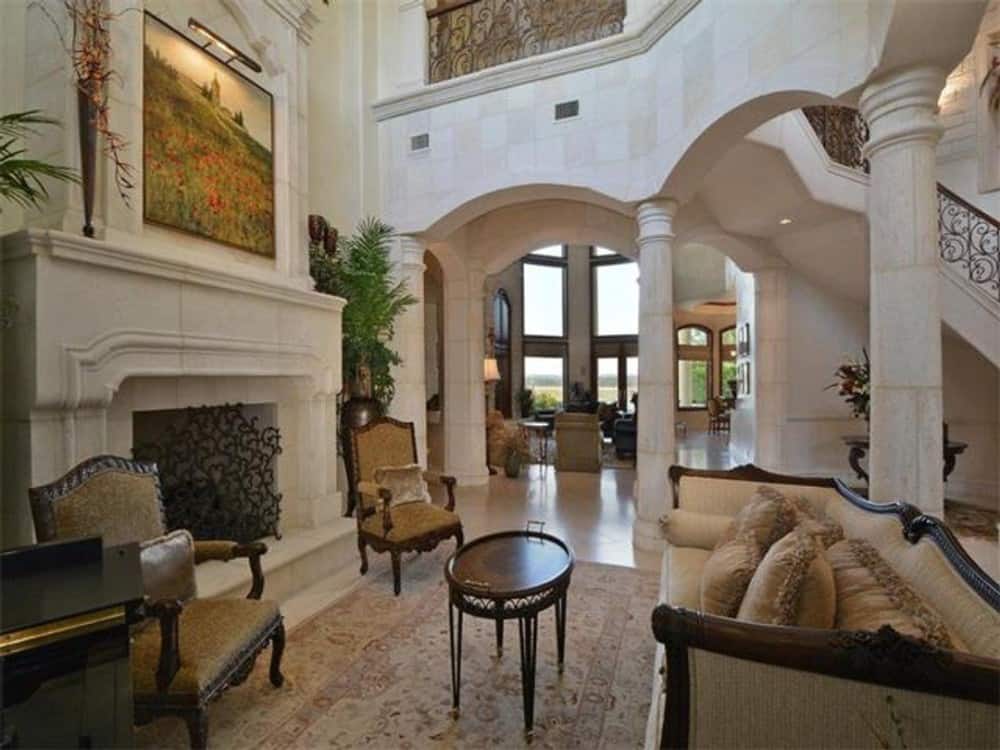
(510, 575)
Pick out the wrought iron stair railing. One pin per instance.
(968, 238)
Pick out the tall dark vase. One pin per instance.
(356, 412)
(86, 113)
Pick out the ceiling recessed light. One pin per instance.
(785, 221)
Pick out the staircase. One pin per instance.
(969, 239)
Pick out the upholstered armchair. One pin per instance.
(394, 512)
(578, 442)
(202, 646)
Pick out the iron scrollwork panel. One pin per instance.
(971, 240)
(478, 35)
(843, 133)
(216, 469)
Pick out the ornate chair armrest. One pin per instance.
(168, 612)
(227, 550)
(384, 495)
(449, 483)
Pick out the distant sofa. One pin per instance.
(725, 682)
(578, 442)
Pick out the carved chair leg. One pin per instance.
(396, 575)
(197, 723)
(277, 651)
(364, 556)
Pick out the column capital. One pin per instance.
(902, 107)
(656, 219)
(411, 252)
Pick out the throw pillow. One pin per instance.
(767, 517)
(406, 483)
(816, 523)
(793, 585)
(167, 564)
(687, 528)
(871, 594)
(727, 573)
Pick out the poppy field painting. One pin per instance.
(208, 164)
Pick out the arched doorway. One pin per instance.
(501, 350)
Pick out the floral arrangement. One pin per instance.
(853, 384)
(516, 444)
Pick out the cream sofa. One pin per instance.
(723, 683)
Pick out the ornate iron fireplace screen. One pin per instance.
(216, 469)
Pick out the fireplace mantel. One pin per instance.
(94, 316)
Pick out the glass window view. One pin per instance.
(692, 383)
(603, 251)
(543, 300)
(552, 251)
(617, 295)
(727, 361)
(691, 336)
(631, 380)
(544, 376)
(607, 380)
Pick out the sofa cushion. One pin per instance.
(685, 528)
(871, 594)
(766, 518)
(793, 585)
(685, 566)
(816, 523)
(727, 496)
(727, 574)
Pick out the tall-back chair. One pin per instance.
(202, 646)
(394, 511)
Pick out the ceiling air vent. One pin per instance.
(565, 110)
(420, 142)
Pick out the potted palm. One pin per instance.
(360, 270)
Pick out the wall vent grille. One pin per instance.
(565, 110)
(420, 142)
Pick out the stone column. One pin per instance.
(656, 368)
(769, 376)
(464, 395)
(410, 403)
(905, 308)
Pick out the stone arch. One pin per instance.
(684, 178)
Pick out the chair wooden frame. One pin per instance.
(167, 612)
(423, 543)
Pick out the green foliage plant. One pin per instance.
(22, 180)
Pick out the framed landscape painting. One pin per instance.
(208, 144)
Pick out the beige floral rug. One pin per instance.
(372, 671)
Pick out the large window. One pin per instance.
(546, 378)
(616, 298)
(544, 293)
(694, 367)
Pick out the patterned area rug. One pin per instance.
(372, 671)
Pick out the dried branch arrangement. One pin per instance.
(89, 49)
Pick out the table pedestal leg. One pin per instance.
(561, 630)
(455, 647)
(528, 631)
(499, 622)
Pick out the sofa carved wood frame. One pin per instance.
(167, 612)
(884, 657)
(363, 510)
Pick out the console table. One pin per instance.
(859, 446)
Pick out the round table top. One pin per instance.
(509, 564)
(533, 424)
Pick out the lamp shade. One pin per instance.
(491, 373)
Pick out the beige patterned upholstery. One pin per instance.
(411, 521)
(216, 635)
(168, 567)
(118, 505)
(383, 444)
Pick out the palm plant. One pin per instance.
(363, 274)
(22, 179)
